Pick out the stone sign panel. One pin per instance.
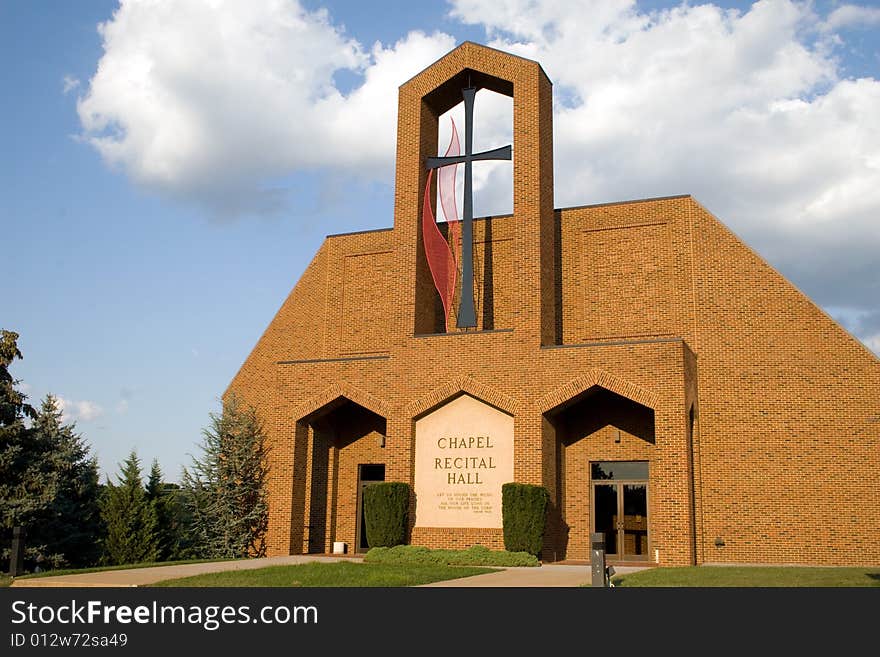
(464, 453)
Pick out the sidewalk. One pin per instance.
(147, 576)
(549, 575)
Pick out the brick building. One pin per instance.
(662, 381)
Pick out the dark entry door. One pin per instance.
(367, 474)
(620, 507)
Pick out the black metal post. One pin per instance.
(467, 314)
(597, 559)
(16, 558)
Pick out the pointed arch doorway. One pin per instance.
(605, 445)
(344, 450)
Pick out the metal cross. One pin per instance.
(467, 317)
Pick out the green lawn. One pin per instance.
(733, 576)
(330, 574)
(476, 555)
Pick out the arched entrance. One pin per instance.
(604, 451)
(345, 452)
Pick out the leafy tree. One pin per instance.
(132, 535)
(163, 498)
(226, 494)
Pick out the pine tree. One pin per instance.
(13, 408)
(27, 482)
(129, 517)
(226, 494)
(163, 498)
(48, 483)
(71, 527)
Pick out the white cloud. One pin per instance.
(847, 16)
(745, 110)
(209, 101)
(68, 84)
(72, 410)
(122, 407)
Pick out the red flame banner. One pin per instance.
(442, 256)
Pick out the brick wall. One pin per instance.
(789, 407)
(654, 301)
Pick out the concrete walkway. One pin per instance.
(551, 575)
(147, 576)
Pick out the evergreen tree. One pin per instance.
(226, 494)
(130, 519)
(48, 483)
(13, 408)
(188, 541)
(163, 498)
(71, 526)
(27, 482)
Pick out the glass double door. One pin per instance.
(620, 511)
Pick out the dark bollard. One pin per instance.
(597, 559)
(16, 558)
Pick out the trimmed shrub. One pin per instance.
(476, 555)
(386, 506)
(523, 512)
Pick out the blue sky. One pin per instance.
(166, 180)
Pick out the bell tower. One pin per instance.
(422, 100)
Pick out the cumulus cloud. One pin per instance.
(848, 16)
(745, 110)
(212, 101)
(72, 410)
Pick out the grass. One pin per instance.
(339, 574)
(98, 569)
(476, 555)
(5, 580)
(751, 576)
